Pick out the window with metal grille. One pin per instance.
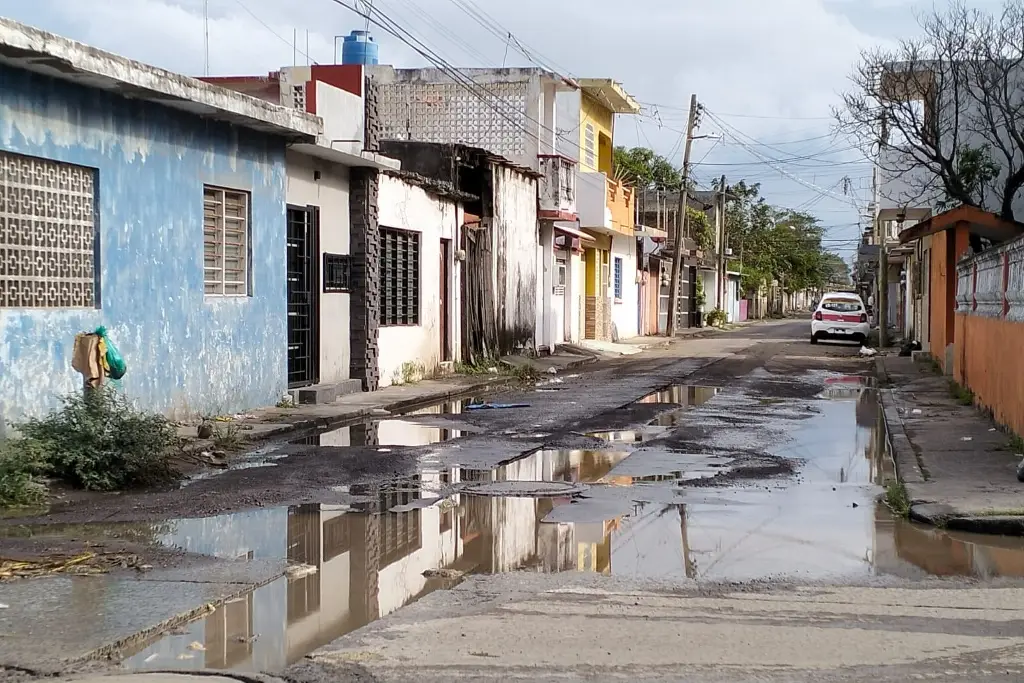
(226, 238)
(618, 278)
(48, 241)
(560, 271)
(337, 273)
(590, 146)
(399, 277)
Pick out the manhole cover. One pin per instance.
(522, 489)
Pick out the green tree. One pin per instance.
(644, 169)
(775, 243)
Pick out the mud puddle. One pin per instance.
(686, 395)
(682, 394)
(631, 510)
(389, 432)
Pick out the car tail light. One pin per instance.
(863, 317)
(817, 315)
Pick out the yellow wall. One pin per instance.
(602, 122)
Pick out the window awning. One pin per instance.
(571, 229)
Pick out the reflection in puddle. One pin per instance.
(682, 394)
(456, 407)
(633, 519)
(383, 433)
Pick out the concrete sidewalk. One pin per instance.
(959, 469)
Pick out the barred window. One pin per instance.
(48, 241)
(399, 277)
(617, 279)
(226, 238)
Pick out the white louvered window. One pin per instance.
(226, 238)
(590, 146)
(47, 234)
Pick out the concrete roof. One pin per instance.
(29, 48)
(611, 94)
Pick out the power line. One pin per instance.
(267, 26)
(389, 25)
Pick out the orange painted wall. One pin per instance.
(989, 362)
(946, 249)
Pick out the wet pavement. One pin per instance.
(620, 511)
(770, 477)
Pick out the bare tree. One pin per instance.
(944, 112)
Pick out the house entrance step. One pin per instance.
(326, 393)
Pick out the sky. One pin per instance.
(767, 72)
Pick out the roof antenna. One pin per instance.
(206, 36)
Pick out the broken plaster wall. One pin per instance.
(514, 240)
(186, 353)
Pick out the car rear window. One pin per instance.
(841, 305)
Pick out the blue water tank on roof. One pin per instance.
(358, 48)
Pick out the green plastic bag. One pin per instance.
(114, 358)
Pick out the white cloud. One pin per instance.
(783, 58)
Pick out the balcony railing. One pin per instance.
(557, 187)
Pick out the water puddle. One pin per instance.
(628, 511)
(682, 394)
(383, 433)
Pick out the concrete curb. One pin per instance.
(910, 473)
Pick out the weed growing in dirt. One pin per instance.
(897, 498)
(99, 441)
(228, 437)
(1016, 444)
(21, 463)
(962, 395)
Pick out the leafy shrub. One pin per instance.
(99, 441)
(21, 463)
(716, 318)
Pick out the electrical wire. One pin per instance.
(273, 32)
(390, 26)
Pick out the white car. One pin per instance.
(840, 316)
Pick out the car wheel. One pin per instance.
(814, 339)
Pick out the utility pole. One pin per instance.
(677, 252)
(720, 247)
(882, 300)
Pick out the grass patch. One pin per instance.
(22, 463)
(99, 441)
(1016, 444)
(897, 498)
(961, 394)
(1009, 512)
(229, 437)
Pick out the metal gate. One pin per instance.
(303, 296)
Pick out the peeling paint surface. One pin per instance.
(515, 238)
(185, 353)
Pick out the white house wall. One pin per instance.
(330, 193)
(625, 309)
(408, 207)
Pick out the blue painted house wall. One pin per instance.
(186, 353)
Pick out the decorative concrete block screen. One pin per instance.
(991, 284)
(449, 113)
(47, 234)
